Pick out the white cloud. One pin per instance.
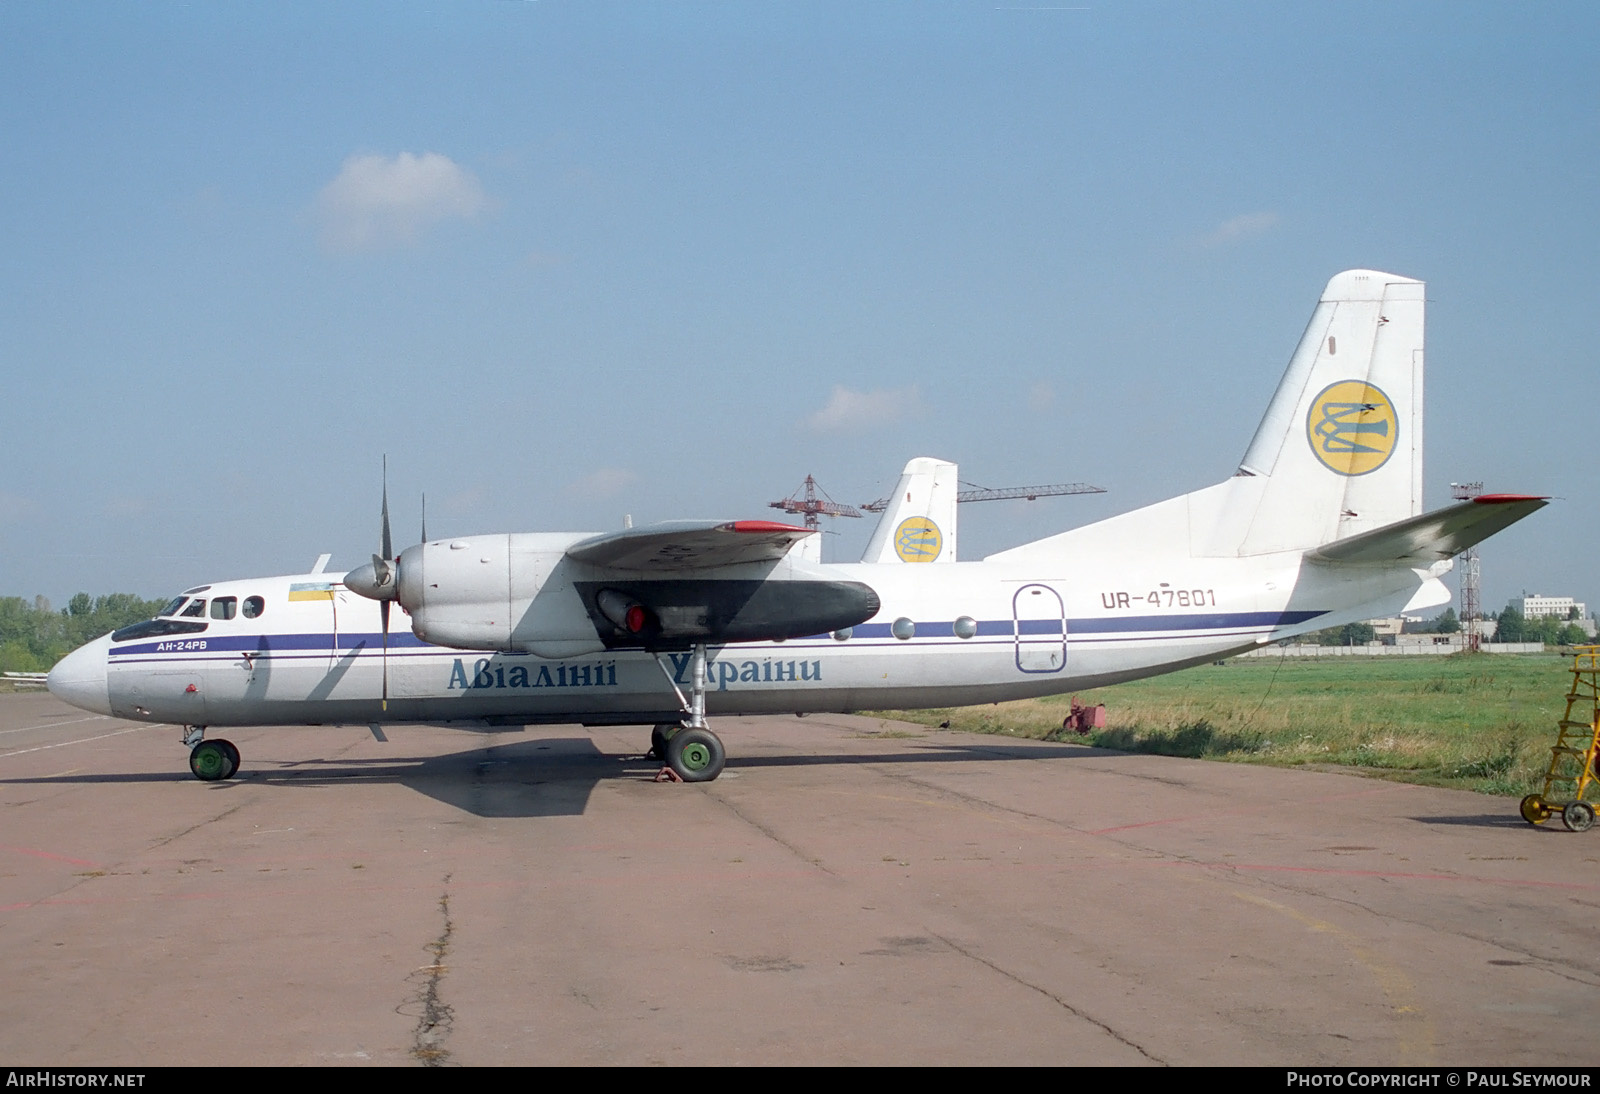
(382, 201)
(848, 411)
(1239, 228)
(603, 482)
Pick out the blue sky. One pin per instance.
(564, 262)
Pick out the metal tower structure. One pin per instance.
(1471, 595)
(805, 502)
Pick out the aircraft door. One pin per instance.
(1041, 629)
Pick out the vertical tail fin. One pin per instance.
(1338, 453)
(1340, 446)
(920, 523)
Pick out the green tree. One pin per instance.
(1512, 626)
(32, 637)
(1351, 634)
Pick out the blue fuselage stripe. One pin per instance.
(328, 642)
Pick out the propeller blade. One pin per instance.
(424, 518)
(383, 610)
(388, 546)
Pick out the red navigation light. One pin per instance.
(637, 618)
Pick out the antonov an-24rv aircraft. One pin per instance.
(1321, 525)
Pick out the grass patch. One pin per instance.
(1477, 721)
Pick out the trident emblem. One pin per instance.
(1352, 427)
(1341, 427)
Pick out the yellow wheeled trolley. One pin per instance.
(1572, 779)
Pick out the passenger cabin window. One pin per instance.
(254, 606)
(196, 608)
(224, 607)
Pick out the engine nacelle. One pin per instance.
(522, 593)
(473, 592)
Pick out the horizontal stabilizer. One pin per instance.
(1430, 537)
(689, 545)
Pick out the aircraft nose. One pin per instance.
(79, 678)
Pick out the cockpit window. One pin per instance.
(254, 606)
(172, 608)
(224, 607)
(196, 608)
(157, 628)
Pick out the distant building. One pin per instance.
(1532, 605)
(1537, 605)
(1390, 627)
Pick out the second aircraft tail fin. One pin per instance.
(919, 524)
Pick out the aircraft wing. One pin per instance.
(669, 585)
(1443, 533)
(678, 545)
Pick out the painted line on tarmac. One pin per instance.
(49, 855)
(52, 725)
(79, 741)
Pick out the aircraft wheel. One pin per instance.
(659, 736)
(1578, 816)
(233, 758)
(1534, 810)
(209, 760)
(696, 755)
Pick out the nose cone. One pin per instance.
(79, 678)
(375, 580)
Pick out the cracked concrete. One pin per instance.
(434, 1015)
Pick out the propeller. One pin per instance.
(380, 580)
(385, 573)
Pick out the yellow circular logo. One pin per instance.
(918, 540)
(1352, 427)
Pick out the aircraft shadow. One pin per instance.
(544, 777)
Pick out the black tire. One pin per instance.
(233, 758)
(1578, 816)
(696, 755)
(659, 735)
(209, 761)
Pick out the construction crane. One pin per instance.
(806, 503)
(981, 493)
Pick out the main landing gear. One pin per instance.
(691, 752)
(211, 761)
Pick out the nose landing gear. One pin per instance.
(210, 761)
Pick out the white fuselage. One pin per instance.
(315, 653)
